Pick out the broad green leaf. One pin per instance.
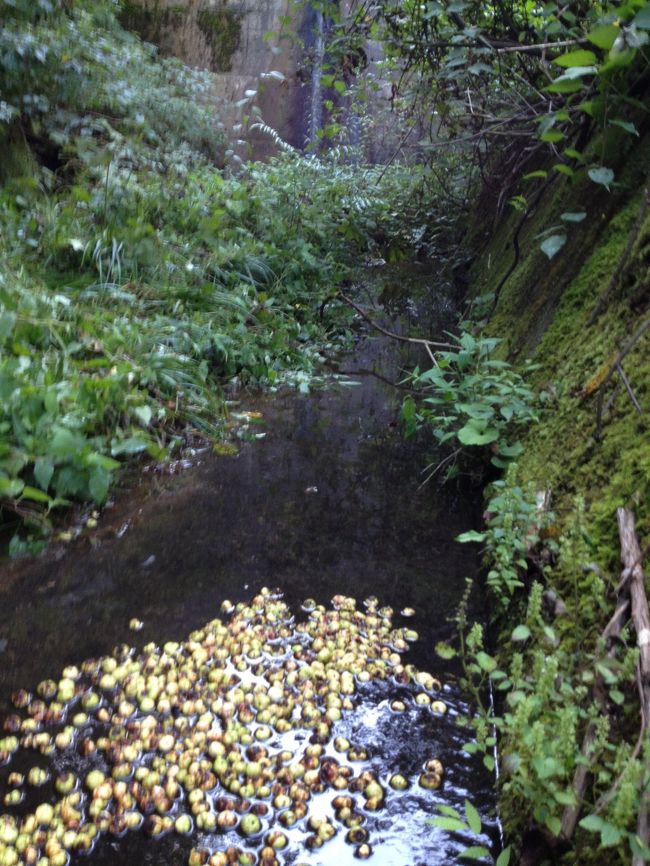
(551, 136)
(35, 495)
(593, 823)
(445, 651)
(564, 85)
(554, 824)
(576, 72)
(143, 414)
(7, 322)
(601, 175)
(610, 835)
(534, 174)
(573, 216)
(449, 811)
(504, 857)
(472, 434)
(603, 36)
(579, 57)
(11, 487)
(447, 823)
(564, 169)
(474, 852)
(473, 817)
(626, 125)
(520, 633)
(485, 661)
(552, 245)
(565, 798)
(43, 471)
(470, 535)
(642, 18)
(132, 445)
(98, 484)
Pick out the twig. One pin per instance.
(620, 267)
(418, 341)
(628, 388)
(627, 348)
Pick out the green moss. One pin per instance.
(220, 26)
(543, 310)
(222, 30)
(151, 20)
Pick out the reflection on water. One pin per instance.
(328, 502)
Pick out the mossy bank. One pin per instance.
(572, 315)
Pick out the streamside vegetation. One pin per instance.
(139, 277)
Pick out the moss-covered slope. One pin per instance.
(544, 311)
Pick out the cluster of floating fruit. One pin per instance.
(227, 737)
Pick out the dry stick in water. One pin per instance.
(632, 559)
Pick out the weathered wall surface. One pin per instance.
(238, 40)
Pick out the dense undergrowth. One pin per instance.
(137, 278)
(553, 571)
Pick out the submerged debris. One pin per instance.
(228, 737)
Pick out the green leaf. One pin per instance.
(563, 85)
(593, 823)
(573, 216)
(534, 174)
(565, 798)
(610, 835)
(552, 245)
(601, 175)
(504, 857)
(43, 471)
(143, 414)
(475, 852)
(642, 18)
(520, 633)
(473, 817)
(580, 57)
(485, 661)
(7, 322)
(617, 696)
(551, 136)
(444, 651)
(11, 487)
(471, 535)
(98, 484)
(554, 824)
(449, 811)
(132, 445)
(603, 36)
(626, 125)
(475, 433)
(35, 495)
(448, 823)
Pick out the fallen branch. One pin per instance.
(417, 341)
(620, 268)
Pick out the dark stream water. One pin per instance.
(329, 501)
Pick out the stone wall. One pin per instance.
(241, 41)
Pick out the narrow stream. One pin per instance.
(328, 502)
